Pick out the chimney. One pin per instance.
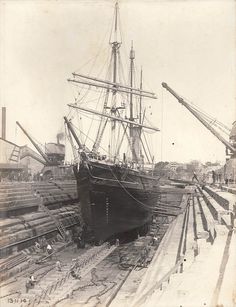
(4, 123)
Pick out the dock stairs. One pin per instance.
(195, 262)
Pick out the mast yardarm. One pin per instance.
(119, 119)
(116, 87)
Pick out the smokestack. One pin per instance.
(60, 137)
(4, 123)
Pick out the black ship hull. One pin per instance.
(115, 199)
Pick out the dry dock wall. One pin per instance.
(22, 221)
(206, 275)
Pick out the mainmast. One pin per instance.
(115, 43)
(131, 118)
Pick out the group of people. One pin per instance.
(215, 178)
(15, 175)
(43, 246)
(20, 175)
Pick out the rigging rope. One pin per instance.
(162, 115)
(127, 192)
(198, 109)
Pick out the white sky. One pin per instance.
(188, 44)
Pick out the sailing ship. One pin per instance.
(117, 193)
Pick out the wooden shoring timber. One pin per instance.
(167, 207)
(162, 205)
(165, 213)
(166, 210)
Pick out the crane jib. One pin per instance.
(199, 117)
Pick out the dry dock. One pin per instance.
(186, 259)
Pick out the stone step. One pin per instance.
(219, 197)
(210, 221)
(216, 209)
(201, 232)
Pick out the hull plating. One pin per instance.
(115, 199)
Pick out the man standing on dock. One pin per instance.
(195, 177)
(213, 177)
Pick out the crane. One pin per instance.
(200, 117)
(45, 157)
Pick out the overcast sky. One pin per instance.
(188, 44)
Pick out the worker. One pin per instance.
(78, 241)
(195, 247)
(119, 256)
(73, 263)
(220, 177)
(58, 266)
(154, 240)
(30, 282)
(74, 274)
(213, 177)
(195, 177)
(33, 280)
(49, 249)
(43, 243)
(37, 247)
